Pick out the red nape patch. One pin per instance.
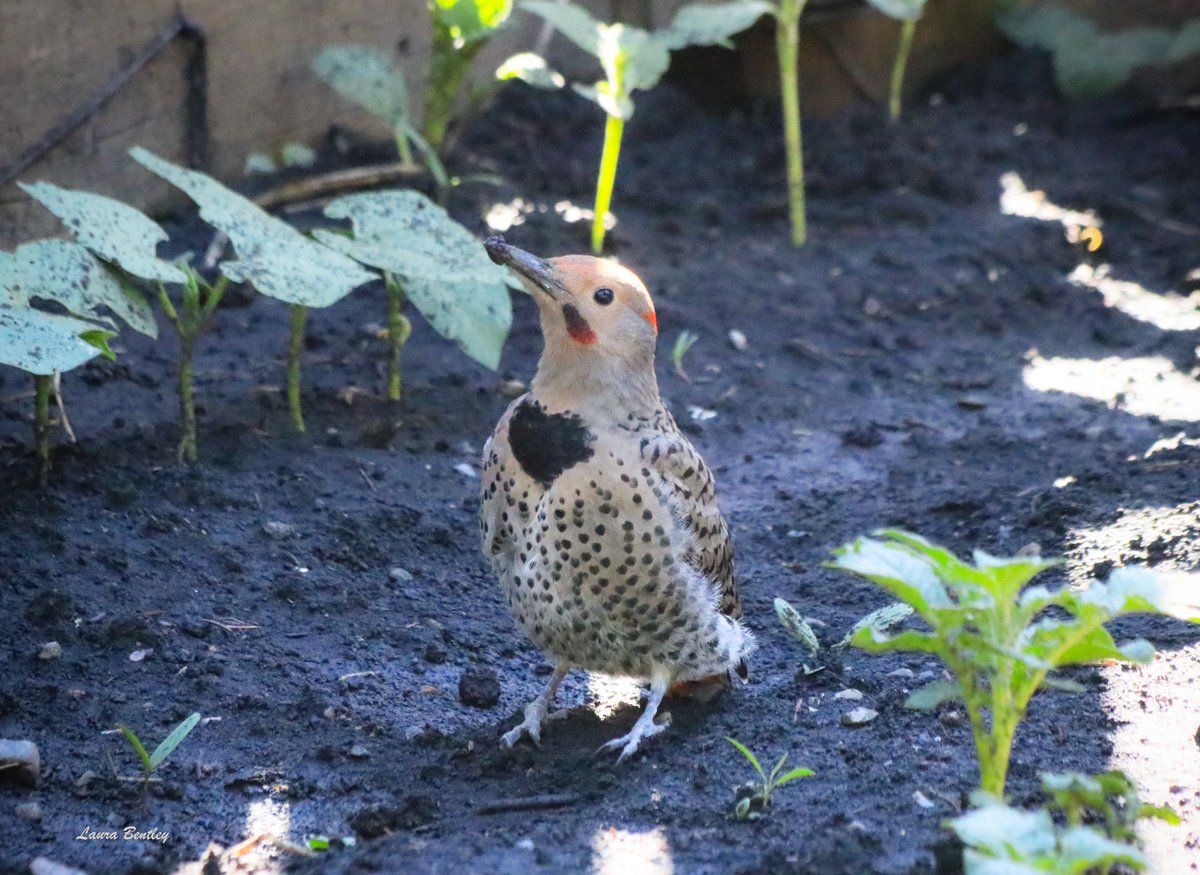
(577, 326)
(653, 320)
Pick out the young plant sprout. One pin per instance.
(632, 59)
(274, 257)
(1097, 837)
(992, 633)
(908, 12)
(370, 79)
(433, 262)
(684, 342)
(752, 806)
(460, 29)
(45, 344)
(151, 761)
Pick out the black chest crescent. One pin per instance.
(546, 444)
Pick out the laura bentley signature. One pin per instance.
(128, 834)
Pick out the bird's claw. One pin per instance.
(630, 742)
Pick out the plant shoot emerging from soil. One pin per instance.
(679, 350)
(151, 761)
(632, 59)
(752, 806)
(992, 633)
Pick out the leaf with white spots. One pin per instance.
(113, 230)
(273, 256)
(443, 267)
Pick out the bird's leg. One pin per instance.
(645, 726)
(536, 711)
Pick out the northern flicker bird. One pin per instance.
(598, 516)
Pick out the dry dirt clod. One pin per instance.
(278, 531)
(859, 717)
(50, 650)
(512, 389)
(479, 688)
(20, 762)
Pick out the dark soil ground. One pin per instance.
(922, 362)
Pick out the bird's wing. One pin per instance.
(692, 490)
(496, 501)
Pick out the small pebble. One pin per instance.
(951, 718)
(512, 388)
(525, 845)
(401, 574)
(278, 531)
(359, 752)
(921, 799)
(479, 687)
(849, 695)
(906, 673)
(926, 676)
(737, 340)
(466, 469)
(20, 762)
(46, 866)
(859, 717)
(29, 811)
(50, 650)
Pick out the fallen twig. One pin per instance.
(529, 803)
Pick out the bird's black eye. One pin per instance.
(603, 297)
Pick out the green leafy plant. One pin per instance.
(907, 12)
(1110, 799)
(433, 262)
(69, 275)
(1100, 813)
(1089, 62)
(460, 29)
(684, 342)
(632, 59)
(41, 343)
(151, 761)
(994, 634)
(274, 257)
(751, 806)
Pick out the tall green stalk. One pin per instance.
(295, 346)
(907, 29)
(787, 46)
(614, 127)
(398, 329)
(42, 384)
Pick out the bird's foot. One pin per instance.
(531, 726)
(629, 743)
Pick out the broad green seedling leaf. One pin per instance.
(113, 230)
(42, 343)
(750, 757)
(797, 626)
(933, 694)
(66, 272)
(446, 273)
(531, 68)
(172, 741)
(704, 24)
(904, 10)
(471, 20)
(275, 258)
(367, 77)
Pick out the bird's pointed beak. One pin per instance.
(537, 272)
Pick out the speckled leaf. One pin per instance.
(712, 24)
(42, 343)
(444, 268)
(879, 620)
(905, 10)
(273, 256)
(367, 77)
(113, 230)
(796, 625)
(66, 272)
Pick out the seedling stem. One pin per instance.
(399, 329)
(907, 28)
(41, 422)
(614, 127)
(295, 346)
(787, 43)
